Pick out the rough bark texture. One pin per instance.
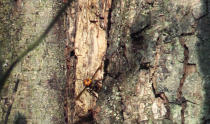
(156, 64)
(87, 40)
(151, 57)
(40, 77)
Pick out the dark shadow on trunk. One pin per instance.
(203, 52)
(121, 64)
(20, 119)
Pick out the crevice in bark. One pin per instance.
(88, 118)
(180, 97)
(71, 60)
(106, 63)
(66, 95)
(106, 60)
(69, 89)
(153, 71)
(109, 21)
(187, 34)
(145, 66)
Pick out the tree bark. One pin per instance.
(40, 77)
(87, 38)
(153, 72)
(146, 60)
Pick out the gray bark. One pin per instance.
(151, 58)
(156, 63)
(41, 74)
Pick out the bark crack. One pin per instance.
(69, 88)
(109, 20)
(153, 79)
(180, 98)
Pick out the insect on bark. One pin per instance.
(90, 82)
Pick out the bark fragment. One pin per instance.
(90, 42)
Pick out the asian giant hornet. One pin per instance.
(90, 83)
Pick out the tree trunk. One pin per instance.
(146, 60)
(153, 67)
(35, 89)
